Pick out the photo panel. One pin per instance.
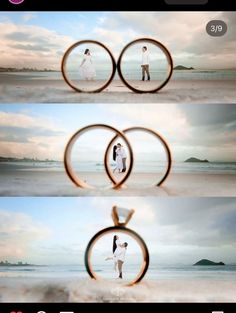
(66, 149)
(107, 57)
(190, 241)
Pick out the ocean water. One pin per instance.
(134, 74)
(147, 167)
(158, 272)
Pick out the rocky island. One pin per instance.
(208, 263)
(183, 68)
(196, 160)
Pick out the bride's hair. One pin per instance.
(114, 244)
(86, 51)
(114, 152)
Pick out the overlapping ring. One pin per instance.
(117, 65)
(115, 184)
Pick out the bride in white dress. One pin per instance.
(117, 157)
(116, 248)
(87, 67)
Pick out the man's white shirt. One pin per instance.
(123, 153)
(121, 254)
(145, 58)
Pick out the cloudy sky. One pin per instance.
(42, 130)
(177, 231)
(40, 39)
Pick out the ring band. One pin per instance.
(163, 49)
(159, 137)
(134, 235)
(67, 156)
(64, 63)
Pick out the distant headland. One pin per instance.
(30, 160)
(183, 68)
(6, 263)
(25, 69)
(196, 160)
(208, 262)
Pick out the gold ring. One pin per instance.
(64, 64)
(159, 137)
(118, 228)
(163, 49)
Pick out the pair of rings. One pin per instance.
(118, 228)
(118, 66)
(121, 134)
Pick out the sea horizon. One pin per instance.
(131, 74)
(93, 166)
(226, 272)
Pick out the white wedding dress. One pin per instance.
(87, 68)
(117, 251)
(119, 162)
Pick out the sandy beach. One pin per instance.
(44, 182)
(29, 88)
(86, 290)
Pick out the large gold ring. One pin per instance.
(162, 48)
(118, 228)
(64, 63)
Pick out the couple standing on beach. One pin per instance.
(119, 156)
(88, 70)
(118, 255)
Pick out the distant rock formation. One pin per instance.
(183, 68)
(10, 159)
(6, 263)
(208, 262)
(25, 69)
(195, 160)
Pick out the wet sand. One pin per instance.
(42, 182)
(28, 89)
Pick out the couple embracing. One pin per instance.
(119, 156)
(118, 255)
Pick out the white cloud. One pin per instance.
(28, 17)
(138, 114)
(201, 131)
(24, 121)
(31, 46)
(144, 210)
(40, 137)
(184, 33)
(37, 147)
(18, 233)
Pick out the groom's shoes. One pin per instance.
(148, 78)
(143, 78)
(120, 276)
